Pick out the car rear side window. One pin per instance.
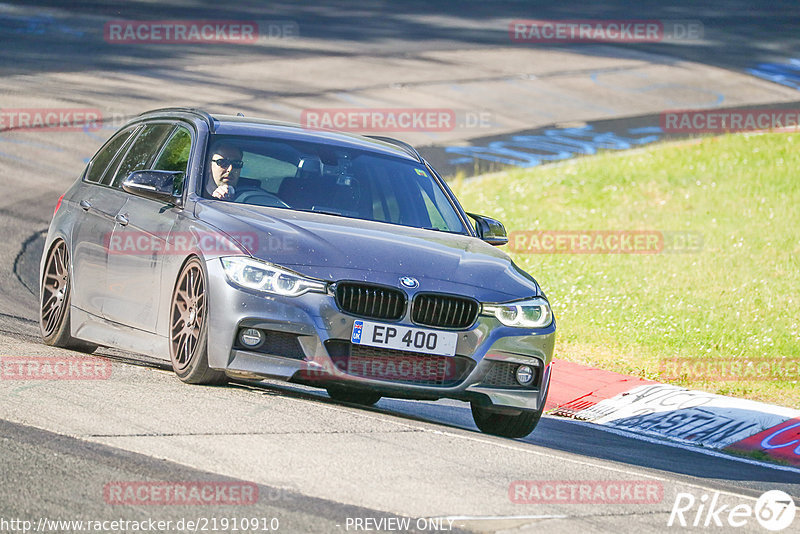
(141, 152)
(101, 160)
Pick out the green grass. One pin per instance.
(737, 299)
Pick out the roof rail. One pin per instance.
(402, 144)
(199, 112)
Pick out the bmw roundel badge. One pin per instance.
(409, 282)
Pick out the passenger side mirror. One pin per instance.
(490, 230)
(156, 185)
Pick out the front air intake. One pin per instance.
(371, 301)
(444, 311)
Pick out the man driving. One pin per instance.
(226, 164)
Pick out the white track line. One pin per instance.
(499, 517)
(515, 446)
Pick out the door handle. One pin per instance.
(121, 219)
(85, 204)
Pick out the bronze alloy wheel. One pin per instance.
(188, 310)
(188, 314)
(54, 316)
(55, 290)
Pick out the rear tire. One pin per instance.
(365, 398)
(189, 327)
(55, 294)
(507, 426)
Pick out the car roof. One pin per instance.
(248, 126)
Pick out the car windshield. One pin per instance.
(338, 181)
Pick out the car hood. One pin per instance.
(333, 248)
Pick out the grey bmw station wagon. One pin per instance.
(242, 248)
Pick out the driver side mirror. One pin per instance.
(490, 230)
(155, 185)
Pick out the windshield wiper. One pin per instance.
(441, 230)
(324, 212)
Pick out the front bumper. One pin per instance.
(318, 324)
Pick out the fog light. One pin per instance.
(524, 375)
(251, 337)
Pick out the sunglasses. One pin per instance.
(225, 163)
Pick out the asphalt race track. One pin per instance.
(319, 465)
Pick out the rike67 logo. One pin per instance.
(774, 511)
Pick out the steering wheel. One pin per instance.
(260, 198)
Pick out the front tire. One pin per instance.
(189, 327)
(365, 398)
(54, 302)
(507, 426)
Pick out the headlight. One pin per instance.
(262, 276)
(528, 313)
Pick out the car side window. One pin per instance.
(141, 152)
(435, 198)
(101, 160)
(175, 156)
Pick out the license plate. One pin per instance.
(404, 338)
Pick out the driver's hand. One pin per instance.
(223, 192)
